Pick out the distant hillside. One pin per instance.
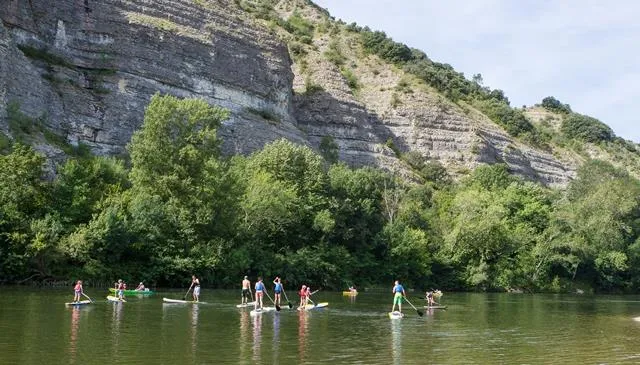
(77, 75)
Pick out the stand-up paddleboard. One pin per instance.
(637, 319)
(111, 298)
(395, 315)
(83, 302)
(316, 306)
(263, 310)
(250, 304)
(134, 292)
(178, 301)
(435, 307)
(350, 293)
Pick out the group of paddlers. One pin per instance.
(278, 290)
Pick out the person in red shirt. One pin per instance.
(77, 291)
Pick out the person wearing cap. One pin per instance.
(303, 297)
(246, 291)
(140, 287)
(120, 286)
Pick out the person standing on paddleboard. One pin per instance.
(277, 291)
(398, 294)
(77, 291)
(303, 296)
(246, 290)
(196, 288)
(120, 286)
(259, 293)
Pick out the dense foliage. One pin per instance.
(552, 104)
(586, 128)
(179, 207)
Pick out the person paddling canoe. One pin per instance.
(140, 287)
(77, 289)
(277, 291)
(196, 288)
(260, 289)
(398, 294)
(247, 295)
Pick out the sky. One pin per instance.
(585, 53)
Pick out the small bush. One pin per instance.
(265, 114)
(395, 100)
(351, 79)
(43, 55)
(334, 55)
(552, 104)
(329, 149)
(311, 87)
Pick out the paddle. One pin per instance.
(274, 303)
(91, 300)
(285, 297)
(185, 296)
(420, 313)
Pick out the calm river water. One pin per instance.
(37, 328)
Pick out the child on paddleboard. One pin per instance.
(120, 286)
(77, 291)
(303, 297)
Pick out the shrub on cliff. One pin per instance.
(586, 128)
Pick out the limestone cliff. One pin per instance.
(87, 69)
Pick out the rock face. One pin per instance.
(91, 67)
(88, 68)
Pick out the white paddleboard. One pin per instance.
(316, 306)
(435, 306)
(263, 310)
(167, 300)
(250, 304)
(111, 298)
(395, 315)
(83, 302)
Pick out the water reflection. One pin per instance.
(396, 341)
(244, 334)
(276, 337)
(116, 317)
(194, 328)
(73, 340)
(257, 334)
(302, 335)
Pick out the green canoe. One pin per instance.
(134, 292)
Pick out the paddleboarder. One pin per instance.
(77, 291)
(259, 293)
(246, 290)
(303, 296)
(277, 290)
(120, 286)
(398, 294)
(196, 288)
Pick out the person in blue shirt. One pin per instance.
(259, 293)
(277, 291)
(398, 294)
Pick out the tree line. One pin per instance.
(176, 206)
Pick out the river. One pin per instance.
(37, 328)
